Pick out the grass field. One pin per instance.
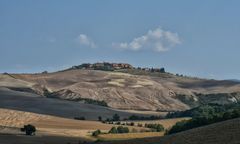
(52, 125)
(167, 123)
(112, 137)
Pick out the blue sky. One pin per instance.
(196, 38)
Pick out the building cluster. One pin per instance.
(114, 66)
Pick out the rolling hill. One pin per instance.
(226, 132)
(126, 89)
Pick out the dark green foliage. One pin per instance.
(113, 130)
(135, 117)
(116, 117)
(118, 123)
(99, 118)
(201, 110)
(46, 93)
(79, 118)
(96, 133)
(119, 129)
(157, 127)
(162, 70)
(92, 101)
(122, 129)
(29, 129)
(207, 114)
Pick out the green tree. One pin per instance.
(96, 133)
(113, 130)
(99, 118)
(29, 129)
(122, 129)
(116, 117)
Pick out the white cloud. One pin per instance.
(85, 40)
(157, 40)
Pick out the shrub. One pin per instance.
(118, 123)
(99, 118)
(135, 117)
(122, 129)
(96, 133)
(29, 129)
(116, 117)
(79, 118)
(113, 130)
(156, 127)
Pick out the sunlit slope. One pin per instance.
(162, 91)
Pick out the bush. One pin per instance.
(79, 118)
(96, 133)
(122, 129)
(135, 117)
(29, 129)
(119, 129)
(156, 127)
(116, 117)
(118, 123)
(99, 118)
(113, 130)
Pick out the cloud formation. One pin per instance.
(157, 40)
(85, 40)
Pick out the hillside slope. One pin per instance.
(29, 102)
(226, 132)
(163, 91)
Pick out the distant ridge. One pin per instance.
(235, 80)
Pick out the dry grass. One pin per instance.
(226, 132)
(167, 123)
(51, 125)
(111, 137)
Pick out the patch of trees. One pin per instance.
(95, 102)
(157, 127)
(115, 117)
(205, 115)
(135, 117)
(29, 129)
(85, 100)
(119, 129)
(203, 109)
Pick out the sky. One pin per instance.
(194, 38)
